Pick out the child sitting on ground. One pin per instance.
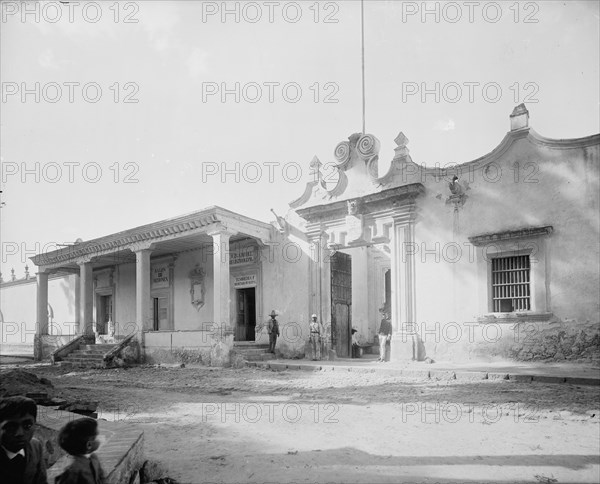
(21, 456)
(80, 439)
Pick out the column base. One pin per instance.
(402, 347)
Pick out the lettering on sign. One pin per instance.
(160, 276)
(242, 255)
(245, 281)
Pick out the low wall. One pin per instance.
(45, 344)
(514, 339)
(16, 349)
(121, 455)
(203, 347)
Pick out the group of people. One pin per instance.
(21, 455)
(316, 333)
(315, 328)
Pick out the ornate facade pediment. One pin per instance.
(354, 172)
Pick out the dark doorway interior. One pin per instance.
(341, 304)
(160, 313)
(104, 313)
(245, 329)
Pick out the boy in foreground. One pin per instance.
(80, 439)
(21, 456)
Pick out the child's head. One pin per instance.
(17, 419)
(79, 436)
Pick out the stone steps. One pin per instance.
(91, 356)
(252, 351)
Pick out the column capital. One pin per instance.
(316, 233)
(84, 260)
(140, 246)
(222, 231)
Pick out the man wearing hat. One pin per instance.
(273, 330)
(316, 330)
(355, 344)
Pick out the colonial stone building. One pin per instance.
(496, 257)
(493, 258)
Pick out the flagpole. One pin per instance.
(362, 26)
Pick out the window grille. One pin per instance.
(510, 284)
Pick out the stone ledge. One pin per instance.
(121, 455)
(439, 374)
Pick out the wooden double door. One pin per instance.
(341, 304)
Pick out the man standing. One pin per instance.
(385, 334)
(273, 330)
(355, 344)
(315, 337)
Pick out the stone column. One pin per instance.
(142, 289)
(319, 295)
(42, 303)
(403, 346)
(221, 283)
(86, 298)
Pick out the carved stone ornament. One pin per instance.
(457, 197)
(352, 207)
(197, 286)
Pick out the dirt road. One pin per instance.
(251, 425)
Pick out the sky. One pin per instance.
(118, 114)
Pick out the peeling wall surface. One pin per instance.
(531, 184)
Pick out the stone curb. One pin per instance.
(441, 374)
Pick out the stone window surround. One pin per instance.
(531, 241)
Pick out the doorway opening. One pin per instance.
(245, 329)
(341, 304)
(160, 313)
(104, 313)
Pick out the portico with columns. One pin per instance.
(170, 282)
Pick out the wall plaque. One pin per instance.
(243, 255)
(160, 276)
(248, 280)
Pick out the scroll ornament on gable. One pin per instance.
(356, 164)
(366, 149)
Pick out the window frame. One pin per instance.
(510, 244)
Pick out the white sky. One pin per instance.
(544, 53)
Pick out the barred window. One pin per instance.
(510, 284)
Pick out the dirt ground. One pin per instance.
(259, 426)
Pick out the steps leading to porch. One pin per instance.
(252, 351)
(89, 356)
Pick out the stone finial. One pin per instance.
(26, 272)
(401, 150)
(519, 118)
(12, 275)
(315, 169)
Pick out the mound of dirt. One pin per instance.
(19, 382)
